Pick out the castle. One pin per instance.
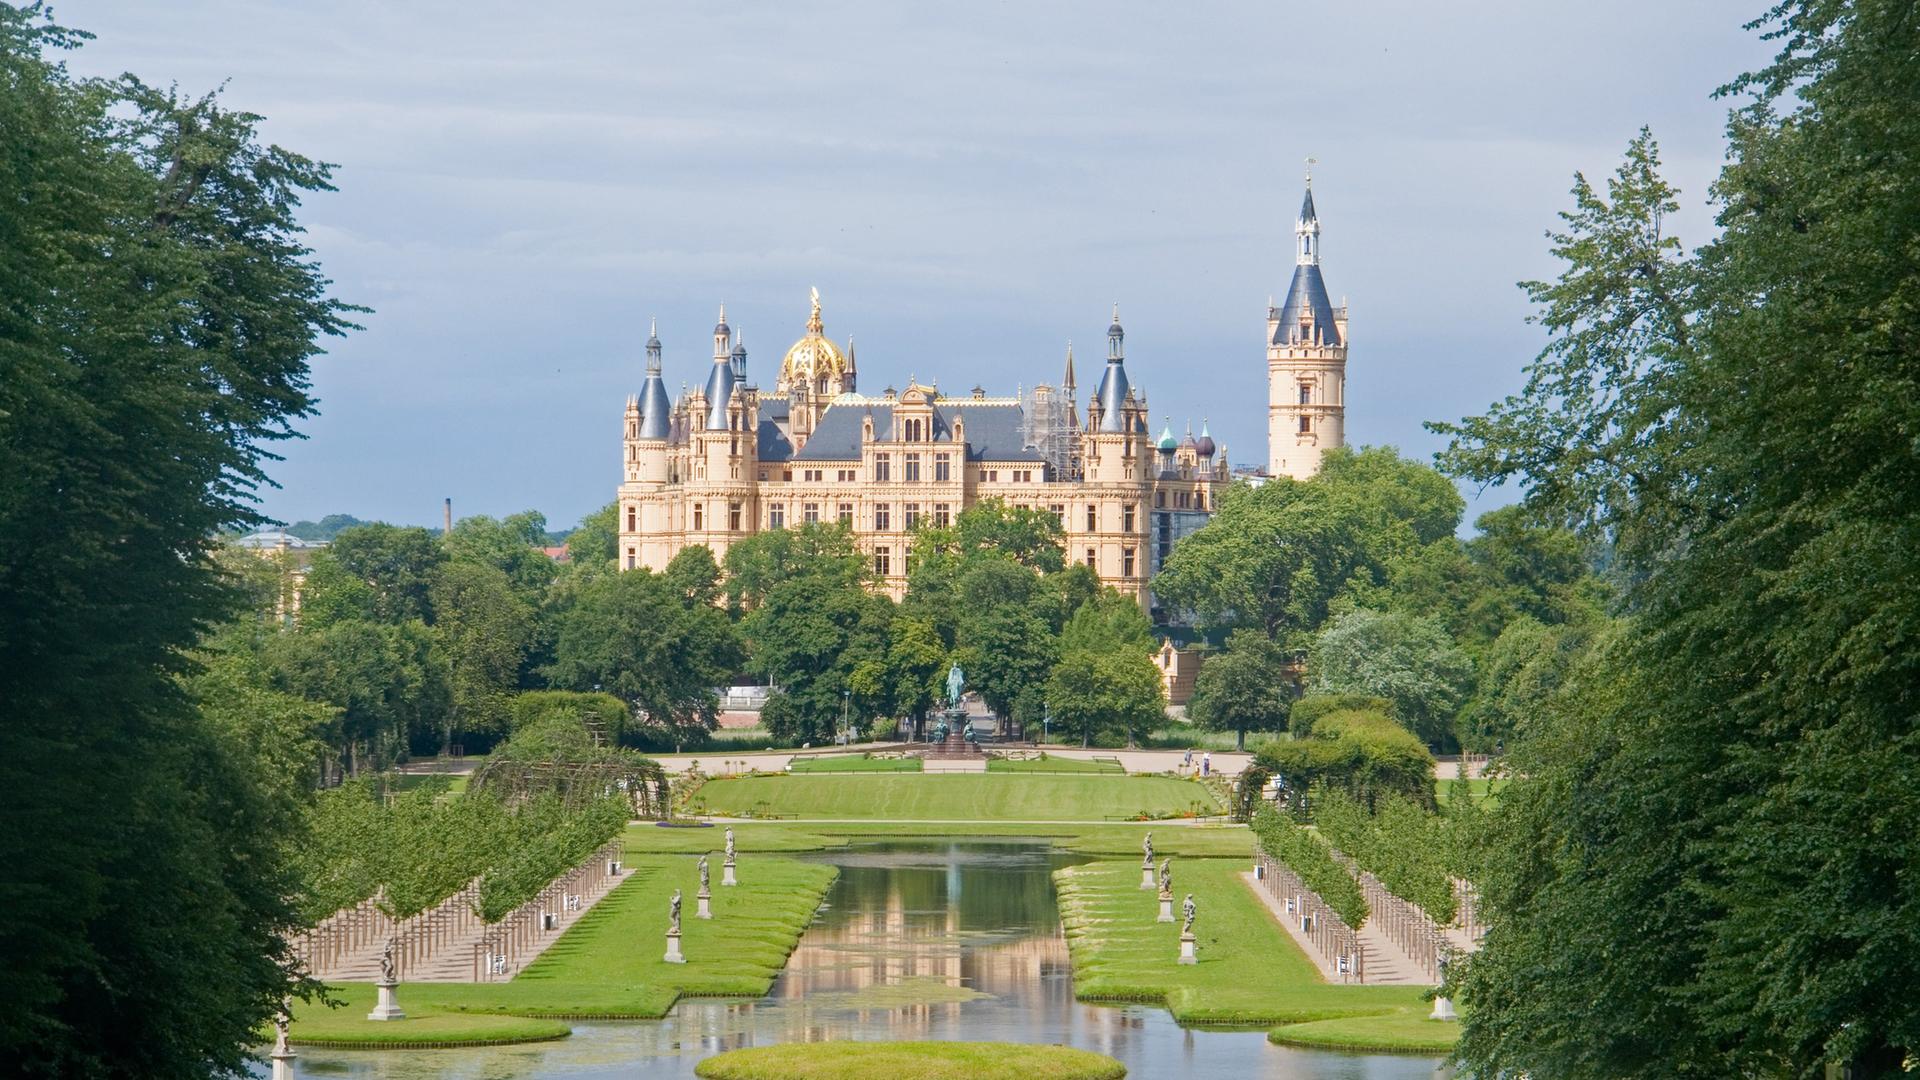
(726, 460)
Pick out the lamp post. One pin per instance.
(846, 704)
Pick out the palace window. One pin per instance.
(846, 513)
(777, 516)
(845, 476)
(1306, 393)
(787, 475)
(1306, 425)
(913, 468)
(1093, 518)
(698, 517)
(813, 476)
(1059, 512)
(882, 468)
(630, 527)
(810, 513)
(1159, 498)
(733, 516)
(763, 476)
(883, 517)
(1023, 476)
(943, 466)
(629, 558)
(992, 476)
(1093, 559)
(942, 515)
(1126, 562)
(883, 561)
(1126, 518)
(913, 514)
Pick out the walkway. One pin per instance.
(1382, 962)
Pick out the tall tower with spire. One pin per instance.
(1306, 361)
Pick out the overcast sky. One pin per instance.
(969, 186)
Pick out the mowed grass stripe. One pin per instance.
(977, 797)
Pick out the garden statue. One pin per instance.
(387, 973)
(956, 682)
(386, 1006)
(729, 845)
(1186, 933)
(1146, 845)
(1187, 909)
(1146, 862)
(673, 912)
(703, 873)
(1166, 877)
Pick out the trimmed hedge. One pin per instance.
(1364, 753)
(1308, 711)
(1305, 854)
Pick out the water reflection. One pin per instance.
(916, 940)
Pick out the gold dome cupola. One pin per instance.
(815, 362)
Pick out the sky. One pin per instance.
(970, 187)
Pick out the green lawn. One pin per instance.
(1193, 841)
(609, 964)
(846, 763)
(1478, 788)
(1250, 972)
(975, 797)
(1047, 763)
(910, 1061)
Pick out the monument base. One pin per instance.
(283, 1065)
(673, 950)
(386, 1008)
(1166, 907)
(704, 911)
(1146, 878)
(1186, 950)
(726, 875)
(1443, 1010)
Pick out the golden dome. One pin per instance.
(814, 361)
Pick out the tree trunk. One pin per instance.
(1240, 739)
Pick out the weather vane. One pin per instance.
(1311, 162)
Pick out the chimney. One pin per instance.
(446, 523)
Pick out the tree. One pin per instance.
(633, 635)
(1249, 687)
(596, 540)
(1407, 659)
(395, 564)
(390, 684)
(511, 546)
(917, 663)
(1715, 825)
(161, 311)
(484, 629)
(1094, 694)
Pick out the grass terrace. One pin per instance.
(851, 763)
(965, 797)
(1250, 972)
(1047, 763)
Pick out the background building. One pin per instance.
(726, 460)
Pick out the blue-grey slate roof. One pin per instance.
(1308, 293)
(993, 431)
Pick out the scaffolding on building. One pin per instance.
(1047, 426)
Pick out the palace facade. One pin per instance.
(726, 460)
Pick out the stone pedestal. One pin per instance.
(387, 1008)
(1186, 950)
(673, 948)
(282, 1065)
(726, 874)
(1443, 1010)
(1146, 877)
(705, 910)
(1166, 907)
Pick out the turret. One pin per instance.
(1306, 361)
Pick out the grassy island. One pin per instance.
(910, 1061)
(1250, 972)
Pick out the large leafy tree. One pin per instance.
(391, 566)
(1249, 687)
(484, 630)
(1716, 829)
(636, 635)
(1407, 659)
(160, 310)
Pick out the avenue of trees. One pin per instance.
(1709, 862)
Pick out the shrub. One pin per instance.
(1306, 855)
(1308, 710)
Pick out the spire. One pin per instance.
(814, 325)
(1167, 444)
(1205, 443)
(655, 411)
(1067, 383)
(1306, 317)
(653, 346)
(740, 356)
(853, 373)
(720, 382)
(1306, 229)
(722, 334)
(1114, 391)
